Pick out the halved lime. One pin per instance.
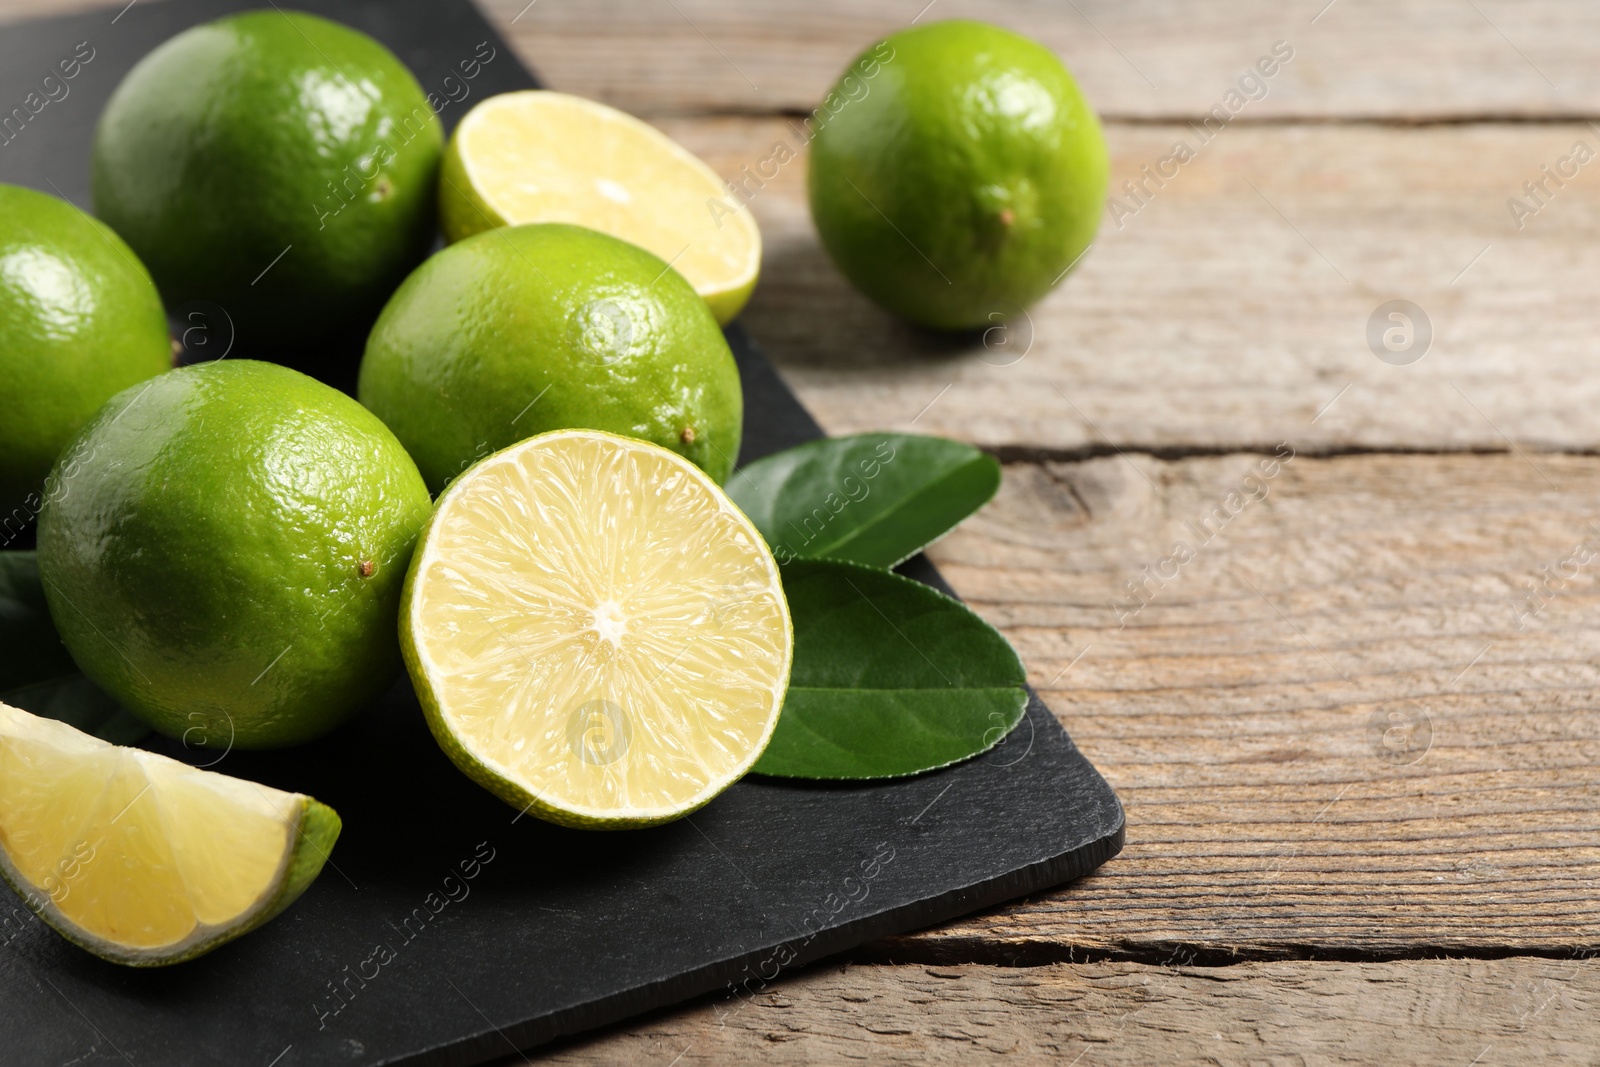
(597, 634)
(140, 859)
(539, 156)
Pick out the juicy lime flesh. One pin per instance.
(278, 140)
(136, 856)
(966, 182)
(599, 633)
(541, 156)
(224, 552)
(528, 329)
(80, 320)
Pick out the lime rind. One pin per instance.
(79, 324)
(967, 184)
(232, 498)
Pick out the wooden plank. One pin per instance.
(1341, 728)
(1233, 308)
(16, 10)
(1410, 60)
(1440, 1013)
(1417, 60)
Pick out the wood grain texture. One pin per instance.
(1418, 59)
(1253, 704)
(1337, 731)
(1444, 1013)
(16, 10)
(1234, 307)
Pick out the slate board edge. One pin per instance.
(496, 1043)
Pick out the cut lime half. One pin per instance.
(539, 156)
(597, 634)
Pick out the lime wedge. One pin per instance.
(539, 156)
(597, 634)
(140, 859)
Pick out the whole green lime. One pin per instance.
(959, 176)
(525, 329)
(223, 550)
(274, 163)
(80, 321)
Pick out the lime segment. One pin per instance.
(140, 859)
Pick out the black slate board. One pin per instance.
(557, 931)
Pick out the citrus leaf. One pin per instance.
(875, 498)
(890, 677)
(30, 649)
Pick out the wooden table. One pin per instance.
(1358, 756)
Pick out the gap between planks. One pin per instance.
(910, 950)
(1018, 454)
(1428, 1014)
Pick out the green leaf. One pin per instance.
(890, 677)
(30, 649)
(875, 498)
